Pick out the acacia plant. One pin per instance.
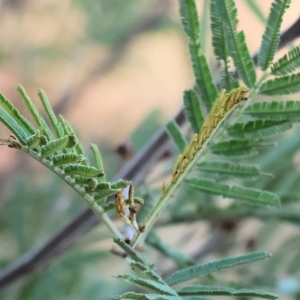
(228, 122)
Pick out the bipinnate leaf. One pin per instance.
(176, 135)
(139, 296)
(275, 110)
(54, 146)
(238, 148)
(288, 63)
(51, 115)
(251, 195)
(240, 170)
(208, 268)
(258, 128)
(203, 76)
(192, 110)
(14, 127)
(153, 285)
(281, 86)
(236, 42)
(200, 290)
(270, 37)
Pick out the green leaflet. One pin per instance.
(281, 86)
(120, 184)
(150, 273)
(139, 296)
(208, 268)
(35, 114)
(192, 110)
(63, 159)
(270, 37)
(251, 195)
(276, 110)
(69, 130)
(219, 44)
(149, 284)
(230, 168)
(176, 135)
(36, 140)
(11, 110)
(195, 290)
(51, 115)
(288, 63)
(236, 42)
(258, 128)
(53, 146)
(238, 148)
(97, 156)
(203, 76)
(14, 127)
(83, 170)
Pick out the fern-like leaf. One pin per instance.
(203, 76)
(192, 110)
(258, 128)
(230, 169)
(153, 285)
(251, 195)
(51, 115)
(200, 290)
(9, 107)
(270, 37)
(288, 63)
(208, 268)
(236, 42)
(176, 135)
(14, 127)
(281, 86)
(238, 148)
(276, 110)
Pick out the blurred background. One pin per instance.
(116, 70)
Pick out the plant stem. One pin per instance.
(97, 209)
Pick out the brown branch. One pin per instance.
(136, 171)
